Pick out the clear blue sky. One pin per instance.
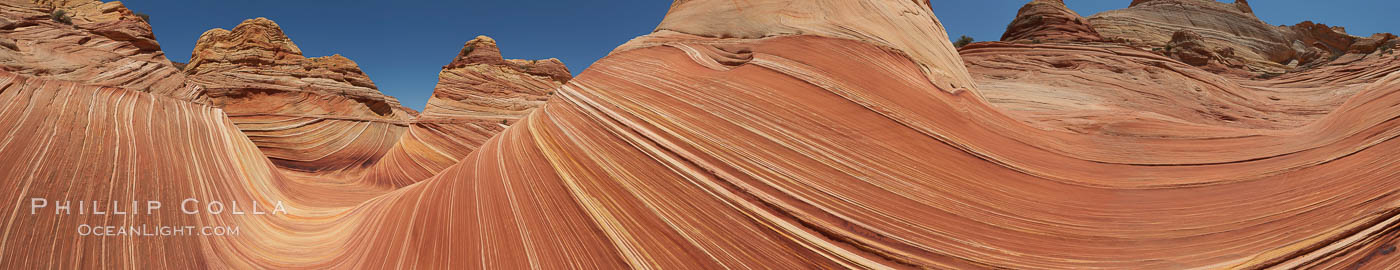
(402, 44)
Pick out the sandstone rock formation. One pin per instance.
(131, 146)
(768, 134)
(1233, 27)
(908, 30)
(1049, 20)
(312, 114)
(1189, 47)
(106, 45)
(1110, 89)
(477, 96)
(479, 84)
(1375, 43)
(256, 54)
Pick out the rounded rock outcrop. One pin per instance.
(1049, 20)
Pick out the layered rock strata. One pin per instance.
(766, 134)
(1049, 20)
(103, 44)
(478, 95)
(318, 114)
(1233, 27)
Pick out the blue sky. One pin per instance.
(403, 44)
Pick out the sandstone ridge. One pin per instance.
(103, 44)
(1261, 48)
(1049, 20)
(306, 113)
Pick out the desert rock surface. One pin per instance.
(478, 95)
(766, 134)
(314, 114)
(103, 44)
(1262, 47)
(1049, 20)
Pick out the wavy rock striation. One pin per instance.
(106, 44)
(907, 26)
(1233, 27)
(478, 95)
(481, 85)
(69, 141)
(1049, 20)
(319, 114)
(770, 134)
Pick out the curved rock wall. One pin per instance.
(815, 149)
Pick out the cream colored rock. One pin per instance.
(1260, 46)
(106, 45)
(905, 26)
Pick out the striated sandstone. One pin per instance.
(256, 55)
(1152, 23)
(1259, 46)
(110, 19)
(478, 95)
(911, 29)
(106, 45)
(1049, 20)
(821, 141)
(1111, 89)
(318, 114)
(126, 145)
(480, 84)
